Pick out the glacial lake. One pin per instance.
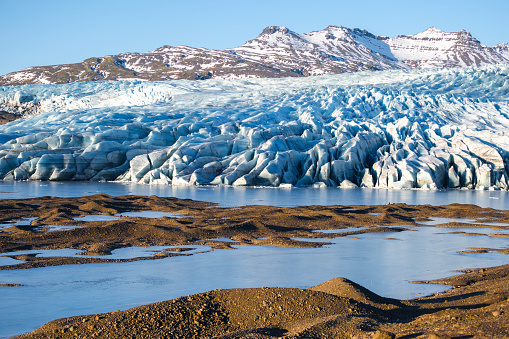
(239, 196)
(372, 260)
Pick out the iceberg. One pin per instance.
(402, 129)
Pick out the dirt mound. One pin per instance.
(348, 289)
(232, 313)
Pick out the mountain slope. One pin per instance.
(435, 48)
(332, 50)
(278, 52)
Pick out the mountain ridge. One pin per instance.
(278, 52)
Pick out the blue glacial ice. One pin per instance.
(434, 128)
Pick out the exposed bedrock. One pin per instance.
(427, 129)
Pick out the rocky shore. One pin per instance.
(476, 306)
(201, 223)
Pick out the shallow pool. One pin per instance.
(382, 262)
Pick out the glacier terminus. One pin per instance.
(399, 129)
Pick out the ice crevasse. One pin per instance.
(434, 128)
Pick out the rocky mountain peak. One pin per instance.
(274, 37)
(162, 49)
(504, 45)
(364, 32)
(275, 29)
(433, 29)
(502, 49)
(436, 48)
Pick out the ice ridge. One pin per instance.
(433, 128)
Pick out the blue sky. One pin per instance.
(36, 32)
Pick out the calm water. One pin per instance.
(374, 260)
(238, 196)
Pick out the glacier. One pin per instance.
(399, 129)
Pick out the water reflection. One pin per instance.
(238, 196)
(439, 221)
(150, 214)
(343, 230)
(120, 253)
(96, 217)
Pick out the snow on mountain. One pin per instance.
(278, 52)
(431, 128)
(502, 49)
(332, 50)
(435, 48)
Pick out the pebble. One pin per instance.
(383, 335)
(438, 336)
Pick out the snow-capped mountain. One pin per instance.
(435, 48)
(279, 52)
(502, 49)
(332, 50)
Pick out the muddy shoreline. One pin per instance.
(476, 306)
(201, 223)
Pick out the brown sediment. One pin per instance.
(486, 250)
(478, 307)
(6, 117)
(199, 223)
